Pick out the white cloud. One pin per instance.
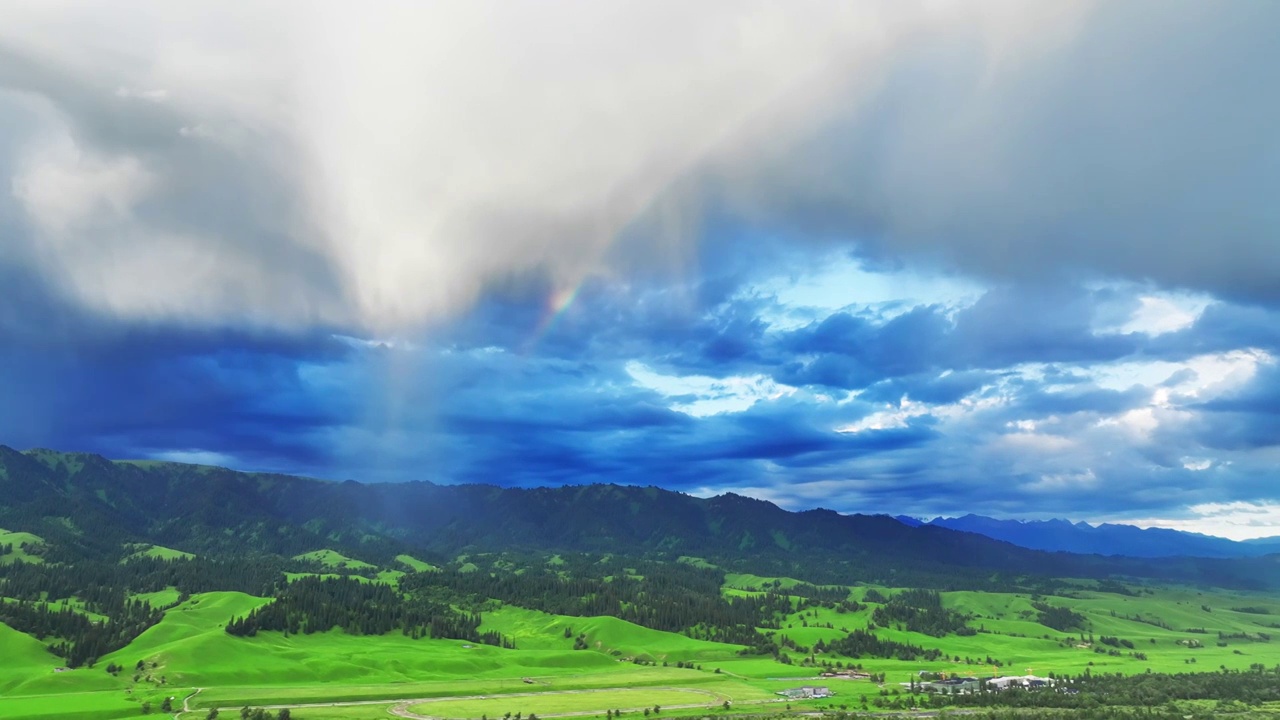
(702, 396)
(895, 416)
(196, 457)
(154, 95)
(1158, 315)
(1175, 385)
(426, 149)
(417, 151)
(1063, 482)
(1201, 376)
(1235, 520)
(838, 281)
(1196, 464)
(1138, 422)
(64, 187)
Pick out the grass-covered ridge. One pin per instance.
(333, 559)
(159, 552)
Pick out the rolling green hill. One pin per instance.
(189, 648)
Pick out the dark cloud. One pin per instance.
(942, 389)
(1093, 399)
(1133, 142)
(140, 391)
(1246, 419)
(1223, 327)
(1011, 325)
(1008, 326)
(848, 351)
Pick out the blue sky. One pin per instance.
(1009, 259)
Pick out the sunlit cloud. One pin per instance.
(700, 396)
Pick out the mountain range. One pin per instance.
(1104, 539)
(87, 505)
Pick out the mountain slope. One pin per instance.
(213, 511)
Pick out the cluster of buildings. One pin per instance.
(807, 692)
(972, 684)
(1029, 682)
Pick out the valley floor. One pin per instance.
(189, 661)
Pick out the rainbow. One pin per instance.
(558, 303)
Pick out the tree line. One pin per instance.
(311, 604)
(920, 610)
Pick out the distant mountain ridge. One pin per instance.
(87, 505)
(1106, 539)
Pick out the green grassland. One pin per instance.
(71, 705)
(629, 666)
(24, 657)
(1157, 625)
(74, 604)
(502, 682)
(158, 552)
(334, 559)
(160, 598)
(415, 564)
(33, 684)
(568, 702)
(389, 577)
(17, 539)
(608, 635)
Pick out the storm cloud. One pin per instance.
(1013, 258)
(304, 163)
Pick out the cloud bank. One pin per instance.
(1014, 258)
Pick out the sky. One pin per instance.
(923, 258)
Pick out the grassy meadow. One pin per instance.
(17, 540)
(158, 552)
(552, 703)
(624, 666)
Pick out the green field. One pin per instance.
(17, 539)
(160, 598)
(415, 564)
(624, 666)
(334, 559)
(74, 604)
(158, 552)
(547, 704)
(608, 635)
